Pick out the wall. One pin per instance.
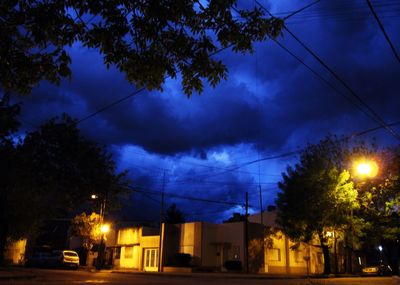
(281, 258)
(15, 252)
(133, 243)
(222, 242)
(190, 241)
(129, 240)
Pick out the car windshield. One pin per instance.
(68, 253)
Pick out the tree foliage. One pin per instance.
(67, 163)
(322, 193)
(316, 194)
(50, 173)
(236, 217)
(174, 215)
(146, 40)
(87, 227)
(379, 200)
(8, 165)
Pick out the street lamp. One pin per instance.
(380, 252)
(104, 229)
(331, 234)
(362, 168)
(366, 168)
(102, 205)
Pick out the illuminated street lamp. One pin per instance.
(104, 229)
(366, 168)
(102, 205)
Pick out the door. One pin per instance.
(150, 262)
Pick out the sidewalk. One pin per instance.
(13, 273)
(214, 275)
(229, 275)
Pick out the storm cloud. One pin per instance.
(270, 104)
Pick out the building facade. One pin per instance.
(239, 246)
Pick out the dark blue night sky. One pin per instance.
(271, 104)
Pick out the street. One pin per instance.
(42, 276)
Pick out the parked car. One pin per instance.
(64, 258)
(377, 269)
(39, 257)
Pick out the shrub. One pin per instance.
(181, 259)
(233, 265)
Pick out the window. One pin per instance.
(117, 253)
(274, 254)
(128, 252)
(298, 256)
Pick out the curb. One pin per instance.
(17, 277)
(214, 275)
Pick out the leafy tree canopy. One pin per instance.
(315, 191)
(87, 227)
(50, 174)
(174, 215)
(148, 40)
(316, 194)
(236, 217)
(322, 193)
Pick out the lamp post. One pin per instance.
(102, 206)
(104, 229)
(380, 253)
(363, 169)
(331, 234)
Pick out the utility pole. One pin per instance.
(261, 207)
(259, 186)
(246, 230)
(161, 225)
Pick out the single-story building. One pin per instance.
(217, 247)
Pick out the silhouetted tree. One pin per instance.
(147, 40)
(8, 169)
(87, 227)
(236, 217)
(50, 174)
(316, 194)
(173, 215)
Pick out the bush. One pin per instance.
(233, 265)
(181, 259)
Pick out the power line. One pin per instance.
(300, 10)
(320, 77)
(113, 103)
(191, 198)
(383, 30)
(292, 153)
(287, 154)
(376, 116)
(110, 105)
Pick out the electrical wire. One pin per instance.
(383, 30)
(376, 116)
(191, 198)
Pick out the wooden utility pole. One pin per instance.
(246, 230)
(161, 226)
(261, 207)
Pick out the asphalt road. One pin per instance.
(41, 276)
